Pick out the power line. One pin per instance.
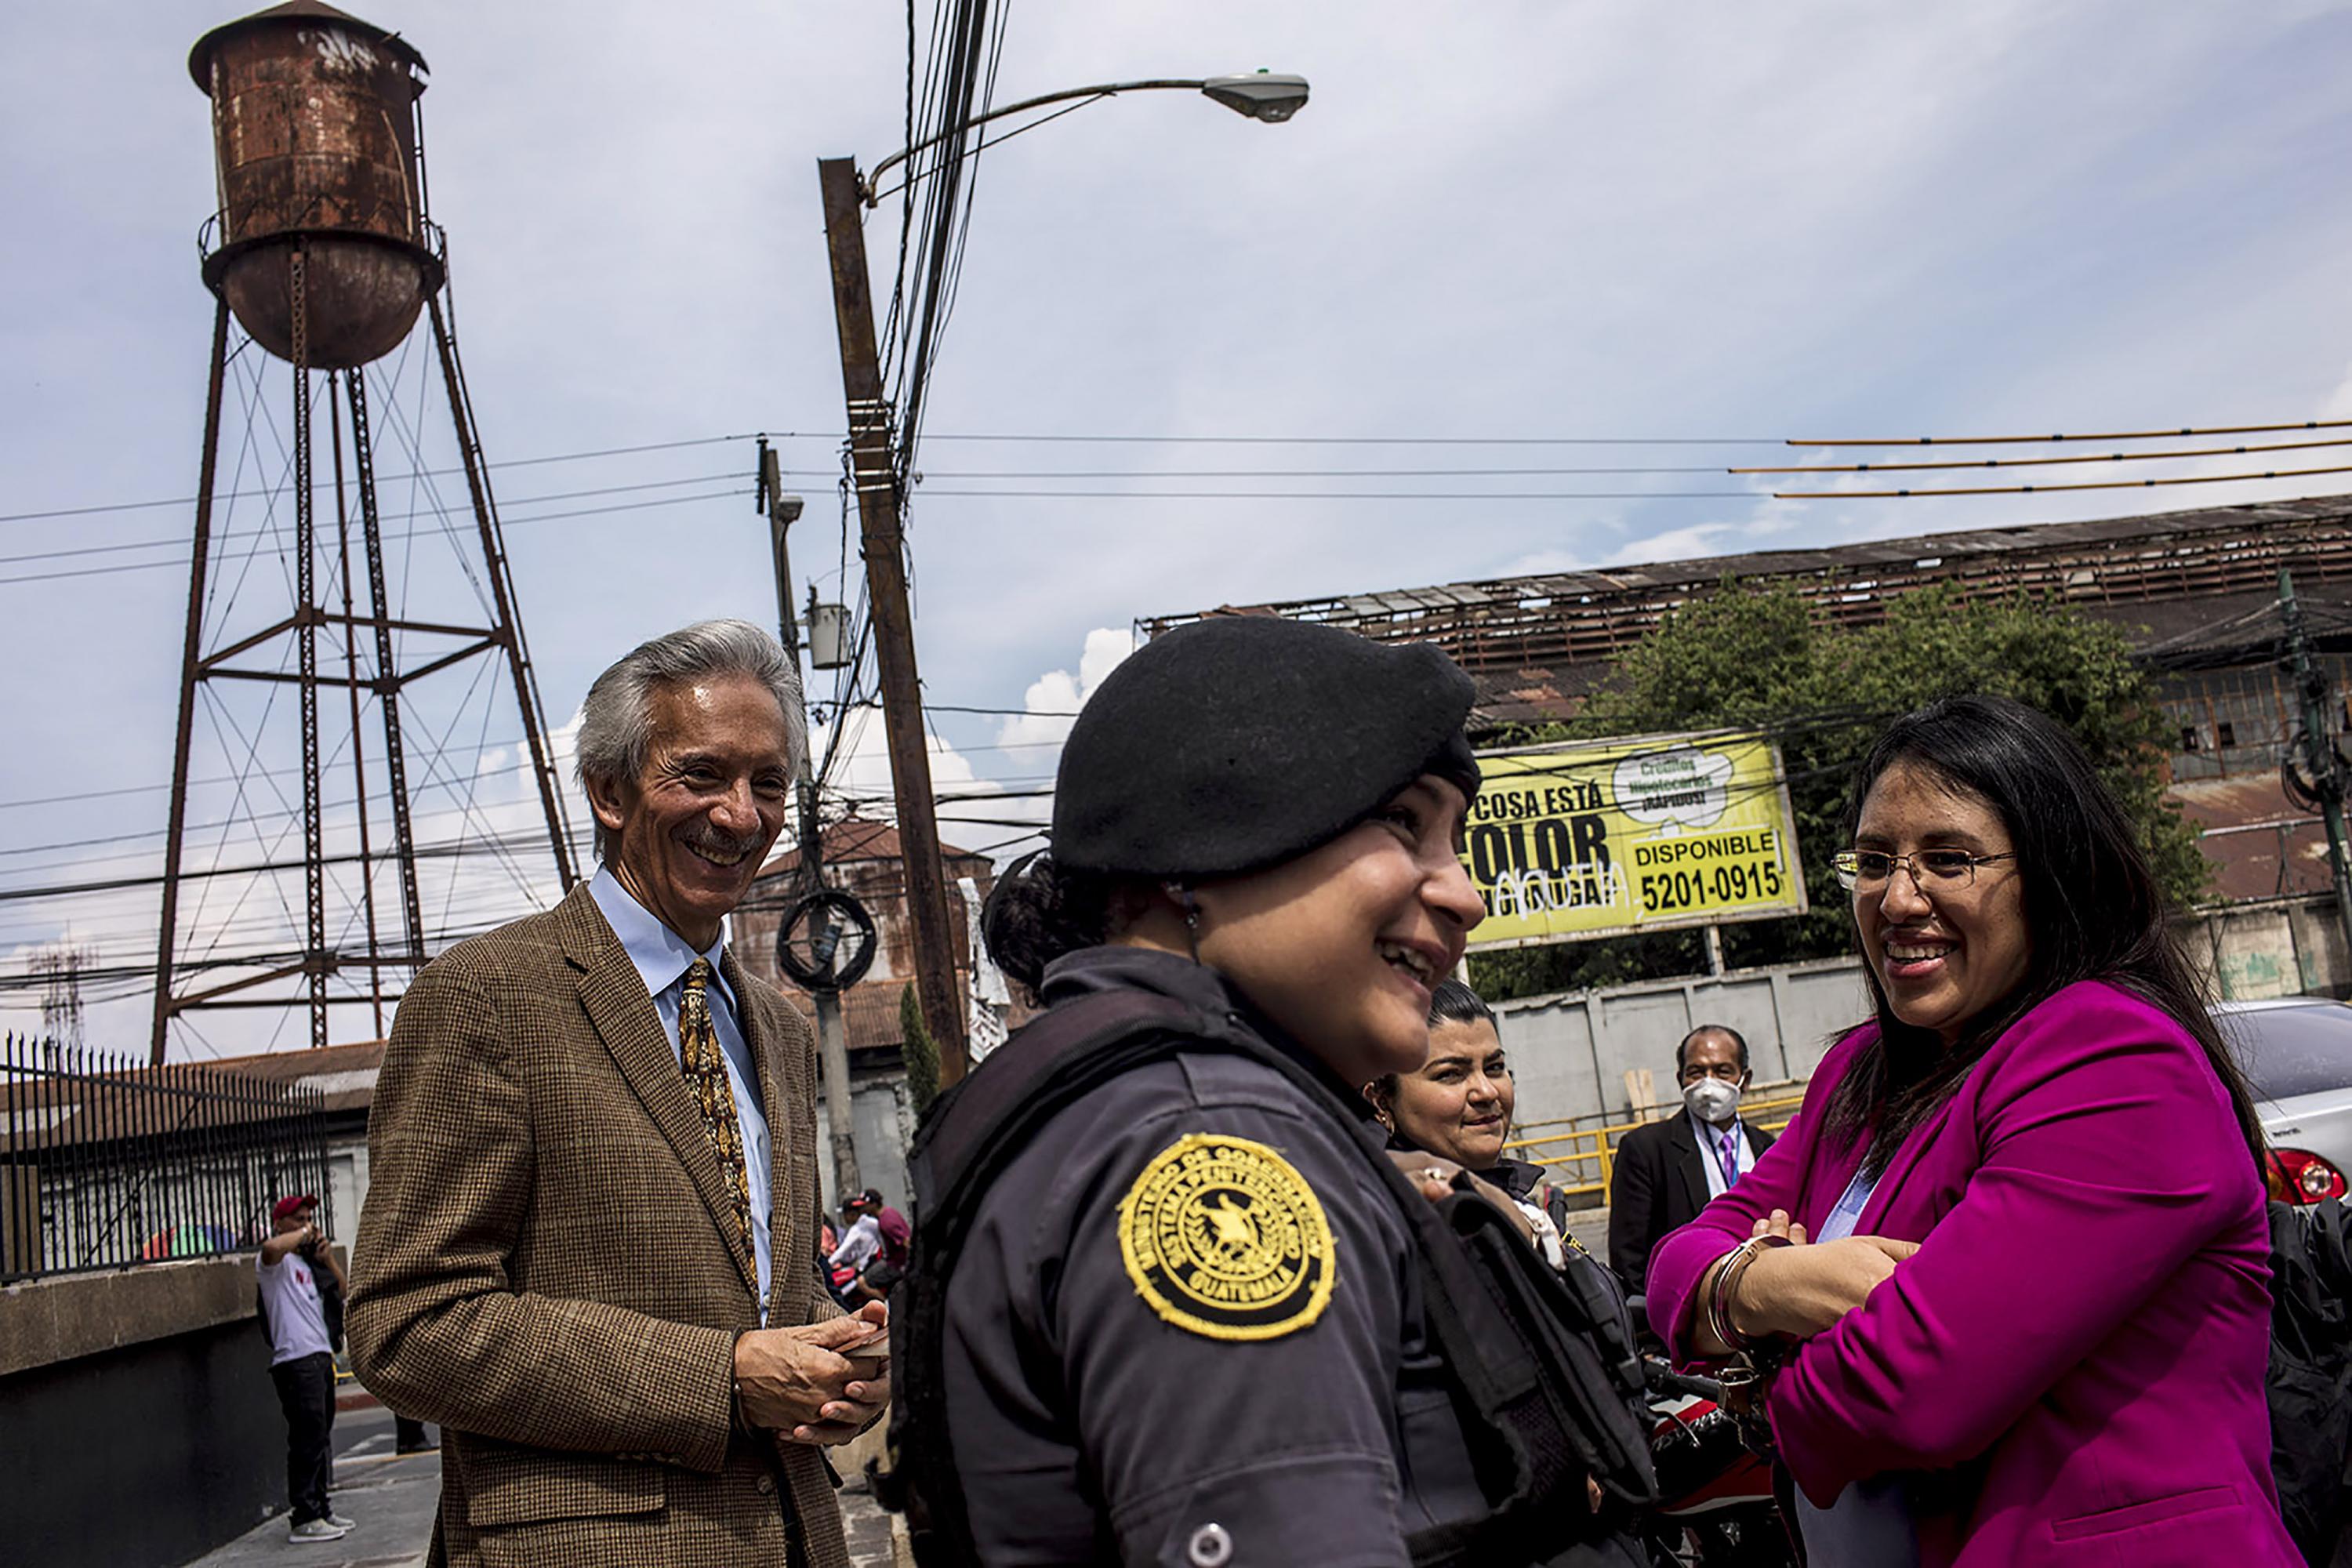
(389, 536)
(2098, 435)
(450, 849)
(1397, 441)
(421, 474)
(1254, 440)
(2036, 490)
(274, 533)
(931, 707)
(1373, 495)
(2042, 462)
(1452, 473)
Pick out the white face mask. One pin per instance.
(1712, 1099)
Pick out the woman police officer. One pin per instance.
(1188, 1323)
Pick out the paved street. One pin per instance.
(390, 1497)
(1591, 1227)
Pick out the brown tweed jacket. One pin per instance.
(545, 1268)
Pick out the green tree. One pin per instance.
(1751, 659)
(915, 1050)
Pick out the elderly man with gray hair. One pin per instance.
(586, 1247)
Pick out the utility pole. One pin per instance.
(873, 473)
(2312, 686)
(832, 1043)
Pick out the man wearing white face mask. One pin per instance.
(1668, 1171)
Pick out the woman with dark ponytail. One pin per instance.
(1191, 1318)
(1038, 912)
(2011, 1259)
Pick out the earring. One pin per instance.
(1183, 895)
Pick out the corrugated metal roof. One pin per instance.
(1946, 554)
(2172, 573)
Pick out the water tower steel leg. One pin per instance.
(351, 684)
(177, 822)
(510, 626)
(305, 634)
(395, 757)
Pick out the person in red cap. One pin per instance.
(302, 1359)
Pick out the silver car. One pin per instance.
(2297, 1053)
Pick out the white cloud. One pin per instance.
(979, 810)
(1052, 702)
(859, 779)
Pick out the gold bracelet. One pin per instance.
(1726, 1281)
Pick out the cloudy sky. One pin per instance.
(1579, 221)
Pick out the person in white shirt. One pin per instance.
(302, 1360)
(863, 1240)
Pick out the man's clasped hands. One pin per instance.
(820, 1383)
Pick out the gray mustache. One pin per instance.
(717, 842)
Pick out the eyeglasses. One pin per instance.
(1867, 870)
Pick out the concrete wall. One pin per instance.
(139, 1427)
(1569, 1053)
(882, 1124)
(2277, 947)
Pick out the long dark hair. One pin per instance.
(2091, 904)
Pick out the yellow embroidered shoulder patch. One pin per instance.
(1224, 1239)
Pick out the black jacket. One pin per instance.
(1659, 1185)
(1099, 1414)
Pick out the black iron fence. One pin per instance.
(106, 1163)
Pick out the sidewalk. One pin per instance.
(391, 1499)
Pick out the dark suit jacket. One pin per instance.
(1659, 1185)
(547, 1265)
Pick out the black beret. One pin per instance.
(1240, 741)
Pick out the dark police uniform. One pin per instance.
(1187, 1328)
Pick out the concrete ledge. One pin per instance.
(44, 1321)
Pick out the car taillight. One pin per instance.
(2295, 1177)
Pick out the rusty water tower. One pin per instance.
(322, 251)
(316, 142)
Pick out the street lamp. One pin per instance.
(873, 475)
(1269, 96)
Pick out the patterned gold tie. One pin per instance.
(706, 1075)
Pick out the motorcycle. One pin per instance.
(1716, 1509)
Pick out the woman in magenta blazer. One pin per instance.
(2014, 1248)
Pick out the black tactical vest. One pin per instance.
(1542, 1368)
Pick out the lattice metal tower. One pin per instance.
(324, 254)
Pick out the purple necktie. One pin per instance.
(1726, 1157)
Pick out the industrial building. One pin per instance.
(2194, 591)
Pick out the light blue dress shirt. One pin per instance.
(662, 959)
(1870, 1525)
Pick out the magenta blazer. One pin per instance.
(2077, 1349)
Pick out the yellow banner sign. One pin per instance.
(1570, 842)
